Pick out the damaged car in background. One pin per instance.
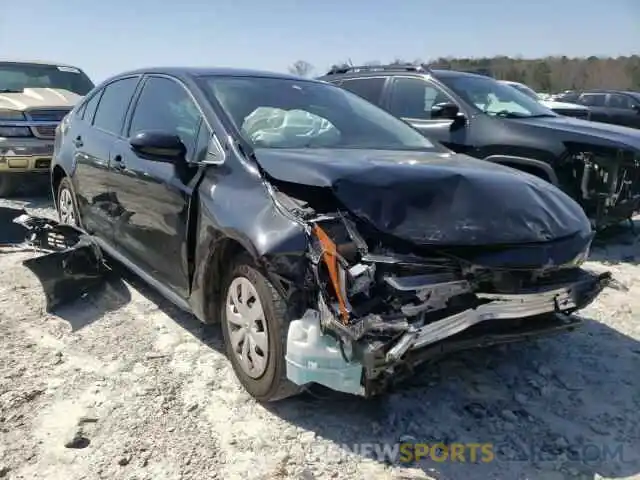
(598, 165)
(335, 244)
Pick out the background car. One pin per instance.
(34, 97)
(479, 116)
(562, 108)
(610, 106)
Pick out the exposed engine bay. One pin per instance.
(383, 306)
(607, 182)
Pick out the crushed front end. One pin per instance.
(604, 180)
(380, 307)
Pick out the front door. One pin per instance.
(412, 100)
(154, 196)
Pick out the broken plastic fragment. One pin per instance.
(73, 265)
(316, 358)
(70, 273)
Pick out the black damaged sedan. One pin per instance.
(335, 244)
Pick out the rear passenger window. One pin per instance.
(368, 88)
(593, 99)
(114, 103)
(617, 100)
(89, 109)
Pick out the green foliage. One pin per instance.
(555, 74)
(550, 74)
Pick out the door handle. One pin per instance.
(119, 162)
(78, 141)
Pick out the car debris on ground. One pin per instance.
(73, 264)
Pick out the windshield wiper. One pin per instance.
(10, 90)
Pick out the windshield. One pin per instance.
(15, 77)
(526, 90)
(286, 113)
(495, 98)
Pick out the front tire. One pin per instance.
(66, 202)
(255, 326)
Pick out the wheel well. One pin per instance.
(531, 169)
(222, 259)
(58, 175)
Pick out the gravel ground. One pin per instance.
(122, 386)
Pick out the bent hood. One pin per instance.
(434, 199)
(586, 131)
(38, 98)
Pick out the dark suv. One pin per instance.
(597, 164)
(609, 106)
(335, 243)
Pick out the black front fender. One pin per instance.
(236, 214)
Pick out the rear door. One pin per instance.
(597, 103)
(623, 110)
(411, 99)
(154, 195)
(101, 123)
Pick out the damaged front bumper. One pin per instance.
(375, 321)
(72, 264)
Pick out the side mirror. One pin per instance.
(636, 107)
(445, 110)
(159, 146)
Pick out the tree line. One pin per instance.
(549, 74)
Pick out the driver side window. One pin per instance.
(414, 98)
(166, 106)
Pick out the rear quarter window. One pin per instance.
(113, 104)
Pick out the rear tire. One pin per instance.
(265, 378)
(66, 203)
(8, 185)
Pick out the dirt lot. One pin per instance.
(123, 386)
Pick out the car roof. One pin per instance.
(212, 72)
(437, 73)
(37, 62)
(608, 90)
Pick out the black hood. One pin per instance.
(434, 199)
(586, 131)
